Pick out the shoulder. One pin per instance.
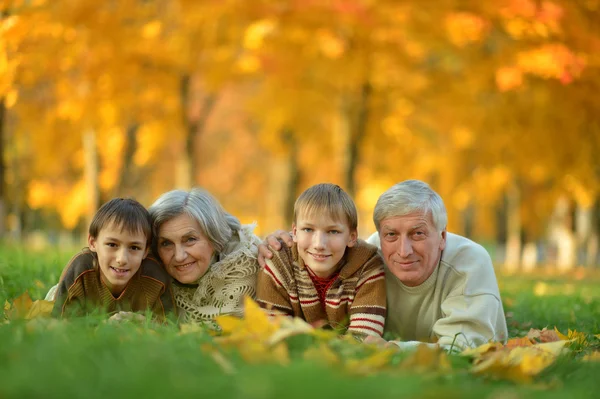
(471, 263)
(461, 252)
(81, 263)
(152, 269)
(285, 258)
(374, 240)
(362, 258)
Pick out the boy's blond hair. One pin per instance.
(327, 199)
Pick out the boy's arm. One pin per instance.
(165, 302)
(368, 310)
(70, 290)
(271, 293)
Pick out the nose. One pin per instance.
(180, 253)
(404, 247)
(319, 240)
(122, 257)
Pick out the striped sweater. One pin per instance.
(356, 300)
(82, 290)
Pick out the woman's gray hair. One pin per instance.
(216, 224)
(407, 197)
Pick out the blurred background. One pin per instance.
(495, 104)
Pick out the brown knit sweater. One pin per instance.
(356, 300)
(82, 290)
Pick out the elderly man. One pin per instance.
(440, 286)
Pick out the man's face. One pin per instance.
(411, 246)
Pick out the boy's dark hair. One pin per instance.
(328, 199)
(127, 213)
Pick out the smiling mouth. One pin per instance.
(119, 271)
(184, 267)
(319, 256)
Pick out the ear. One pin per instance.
(294, 236)
(352, 239)
(92, 243)
(443, 240)
(146, 252)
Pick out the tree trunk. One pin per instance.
(358, 116)
(194, 122)
(91, 172)
(562, 235)
(3, 201)
(513, 229)
(124, 187)
(294, 176)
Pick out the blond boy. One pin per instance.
(328, 276)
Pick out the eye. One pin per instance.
(419, 234)
(334, 232)
(111, 244)
(191, 239)
(165, 243)
(136, 247)
(307, 229)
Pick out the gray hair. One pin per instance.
(407, 197)
(216, 224)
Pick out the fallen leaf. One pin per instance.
(543, 335)
(480, 350)
(516, 342)
(592, 357)
(427, 358)
(20, 307)
(40, 308)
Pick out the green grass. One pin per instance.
(89, 358)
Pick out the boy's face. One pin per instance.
(322, 242)
(120, 254)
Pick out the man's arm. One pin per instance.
(271, 293)
(272, 240)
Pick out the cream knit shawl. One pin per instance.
(222, 289)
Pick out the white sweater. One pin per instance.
(459, 302)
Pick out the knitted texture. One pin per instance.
(221, 290)
(82, 290)
(355, 301)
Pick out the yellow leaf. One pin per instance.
(20, 306)
(371, 364)
(322, 354)
(426, 358)
(40, 308)
(480, 350)
(256, 320)
(561, 335)
(228, 323)
(555, 348)
(289, 327)
(515, 342)
(592, 357)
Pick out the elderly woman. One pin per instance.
(210, 255)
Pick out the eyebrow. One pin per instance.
(187, 234)
(130, 242)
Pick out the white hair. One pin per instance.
(216, 224)
(407, 197)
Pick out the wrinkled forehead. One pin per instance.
(409, 220)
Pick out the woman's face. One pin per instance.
(184, 249)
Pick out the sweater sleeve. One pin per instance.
(368, 310)
(472, 313)
(271, 293)
(469, 321)
(163, 301)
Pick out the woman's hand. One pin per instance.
(120, 317)
(272, 240)
(380, 342)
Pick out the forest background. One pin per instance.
(495, 104)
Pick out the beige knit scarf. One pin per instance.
(222, 289)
